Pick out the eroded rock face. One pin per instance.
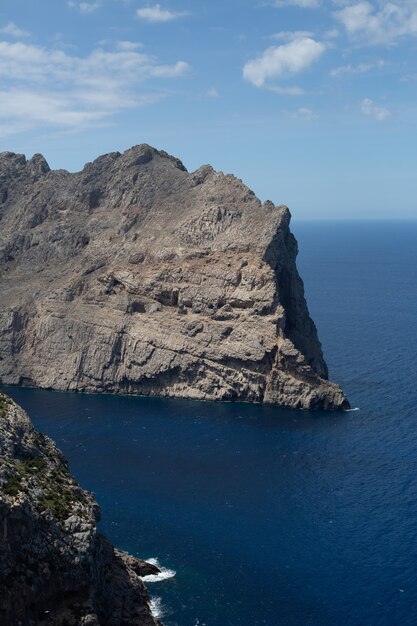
(55, 569)
(135, 276)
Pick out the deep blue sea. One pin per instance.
(271, 516)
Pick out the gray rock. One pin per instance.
(55, 568)
(134, 276)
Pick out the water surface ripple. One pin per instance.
(270, 516)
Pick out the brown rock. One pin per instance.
(129, 276)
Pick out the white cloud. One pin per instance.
(303, 113)
(305, 4)
(381, 24)
(88, 7)
(14, 31)
(157, 14)
(289, 58)
(333, 33)
(129, 45)
(290, 35)
(369, 108)
(212, 93)
(84, 7)
(43, 107)
(180, 68)
(34, 64)
(12, 128)
(48, 87)
(286, 91)
(361, 68)
(408, 78)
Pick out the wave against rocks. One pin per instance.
(163, 573)
(55, 568)
(135, 276)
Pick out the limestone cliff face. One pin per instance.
(55, 569)
(135, 276)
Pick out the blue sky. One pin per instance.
(311, 102)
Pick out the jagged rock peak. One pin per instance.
(136, 155)
(37, 162)
(38, 165)
(190, 279)
(55, 568)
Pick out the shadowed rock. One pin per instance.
(55, 568)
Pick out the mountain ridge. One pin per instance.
(190, 279)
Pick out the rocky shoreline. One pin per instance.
(56, 569)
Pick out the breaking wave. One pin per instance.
(157, 609)
(164, 574)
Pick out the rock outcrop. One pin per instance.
(55, 568)
(135, 276)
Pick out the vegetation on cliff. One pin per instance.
(55, 568)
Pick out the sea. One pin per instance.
(260, 515)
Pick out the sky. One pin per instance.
(312, 103)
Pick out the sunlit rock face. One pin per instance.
(135, 276)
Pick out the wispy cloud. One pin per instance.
(381, 24)
(333, 33)
(302, 113)
(286, 91)
(290, 35)
(361, 68)
(84, 7)
(305, 4)
(157, 14)
(276, 61)
(14, 31)
(52, 88)
(369, 108)
(129, 45)
(408, 78)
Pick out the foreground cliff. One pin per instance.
(135, 276)
(55, 569)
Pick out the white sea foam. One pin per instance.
(352, 410)
(157, 609)
(164, 574)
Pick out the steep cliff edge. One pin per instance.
(55, 568)
(135, 276)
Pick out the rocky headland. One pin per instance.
(135, 276)
(55, 568)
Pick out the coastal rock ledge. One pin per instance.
(55, 568)
(135, 276)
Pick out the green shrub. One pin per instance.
(5, 403)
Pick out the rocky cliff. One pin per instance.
(55, 568)
(135, 276)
